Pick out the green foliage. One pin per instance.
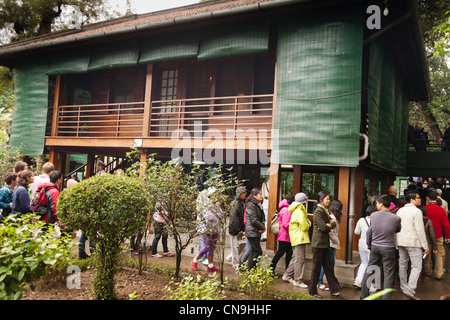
(256, 281)
(442, 45)
(30, 18)
(224, 183)
(191, 288)
(26, 252)
(109, 209)
(379, 294)
(8, 158)
(172, 192)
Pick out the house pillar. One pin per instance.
(343, 196)
(274, 195)
(297, 179)
(90, 165)
(351, 194)
(147, 102)
(54, 131)
(142, 161)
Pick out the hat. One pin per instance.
(301, 197)
(100, 163)
(240, 190)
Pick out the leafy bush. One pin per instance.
(26, 251)
(256, 281)
(172, 192)
(109, 209)
(191, 288)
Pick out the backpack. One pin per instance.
(41, 204)
(275, 224)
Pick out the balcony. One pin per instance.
(197, 117)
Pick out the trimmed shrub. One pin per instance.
(109, 209)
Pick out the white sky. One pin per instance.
(144, 6)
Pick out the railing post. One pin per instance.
(235, 114)
(78, 121)
(118, 120)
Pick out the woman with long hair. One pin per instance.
(335, 212)
(320, 243)
(21, 198)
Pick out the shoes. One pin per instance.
(194, 265)
(168, 254)
(299, 284)
(213, 269)
(338, 296)
(322, 287)
(318, 296)
(411, 296)
(286, 278)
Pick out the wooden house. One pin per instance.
(307, 86)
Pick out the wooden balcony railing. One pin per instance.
(101, 120)
(200, 117)
(204, 117)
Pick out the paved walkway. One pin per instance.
(431, 289)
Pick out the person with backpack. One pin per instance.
(46, 197)
(6, 194)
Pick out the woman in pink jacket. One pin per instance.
(284, 242)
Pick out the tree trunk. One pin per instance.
(430, 120)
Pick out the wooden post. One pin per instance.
(343, 196)
(142, 160)
(297, 179)
(359, 202)
(52, 155)
(274, 194)
(147, 103)
(90, 165)
(54, 131)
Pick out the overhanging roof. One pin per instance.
(406, 37)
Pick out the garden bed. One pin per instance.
(148, 286)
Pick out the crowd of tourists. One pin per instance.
(406, 237)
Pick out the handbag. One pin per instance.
(275, 224)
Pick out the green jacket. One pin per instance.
(321, 237)
(299, 224)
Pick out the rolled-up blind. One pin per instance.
(318, 106)
(114, 55)
(232, 40)
(168, 47)
(68, 62)
(31, 105)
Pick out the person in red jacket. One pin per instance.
(48, 194)
(441, 224)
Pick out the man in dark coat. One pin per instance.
(237, 226)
